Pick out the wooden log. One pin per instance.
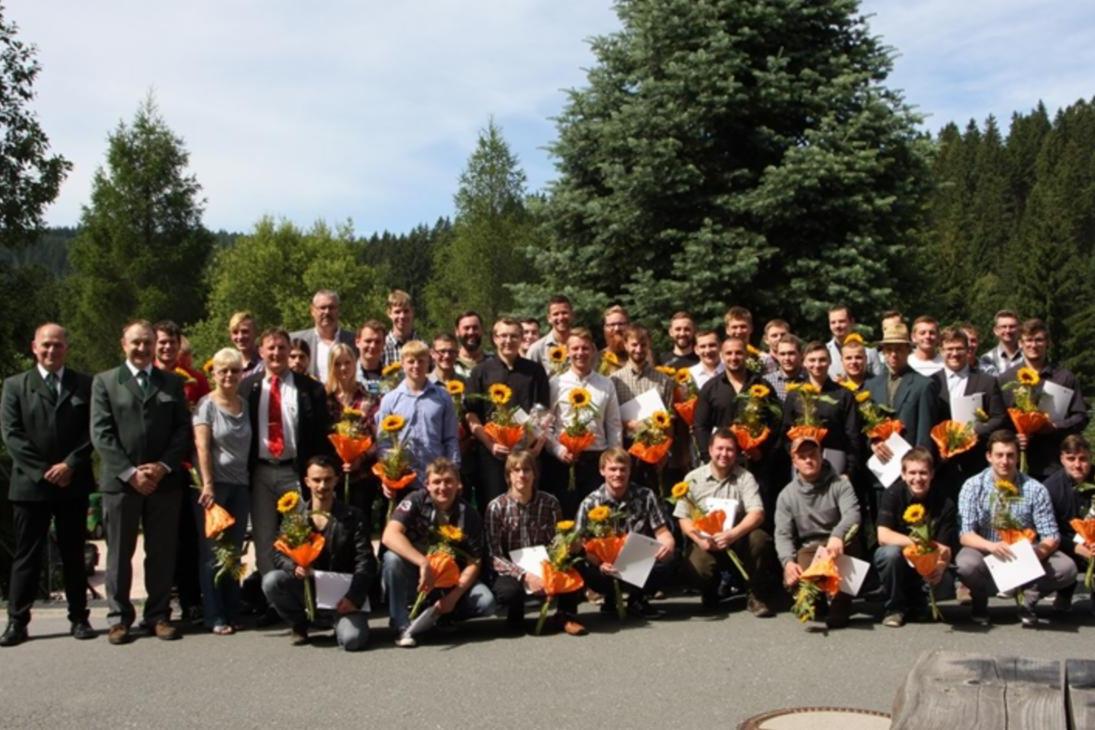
(1080, 677)
(1035, 695)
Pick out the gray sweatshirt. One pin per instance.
(810, 513)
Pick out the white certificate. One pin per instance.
(636, 559)
(1055, 399)
(964, 407)
(529, 559)
(520, 417)
(644, 405)
(852, 572)
(1024, 568)
(332, 588)
(888, 473)
(728, 506)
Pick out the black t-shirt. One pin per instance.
(527, 380)
(417, 513)
(941, 512)
(674, 360)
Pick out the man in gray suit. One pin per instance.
(140, 425)
(325, 313)
(44, 417)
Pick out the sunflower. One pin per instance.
(207, 366)
(564, 525)
(753, 352)
(759, 391)
(599, 513)
(392, 369)
(579, 398)
(666, 370)
(450, 533)
(392, 423)
(914, 514)
(499, 394)
(853, 337)
(809, 388)
(661, 420)
(794, 386)
(557, 355)
(455, 387)
(683, 376)
(610, 357)
(288, 502)
(863, 396)
(352, 413)
(1028, 376)
(679, 490)
(849, 385)
(1005, 487)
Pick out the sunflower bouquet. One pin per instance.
(502, 426)
(441, 555)
(750, 426)
(390, 377)
(298, 541)
(878, 421)
(953, 438)
(809, 423)
(821, 577)
(226, 554)
(558, 359)
(1005, 494)
(754, 361)
(609, 362)
(1085, 528)
(577, 434)
(687, 396)
(559, 575)
(1027, 417)
(351, 441)
(923, 554)
(652, 442)
(394, 467)
(709, 523)
(603, 540)
(455, 389)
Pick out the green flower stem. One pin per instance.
(543, 614)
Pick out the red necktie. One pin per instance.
(275, 437)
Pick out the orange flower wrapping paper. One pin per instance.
(886, 429)
(605, 549)
(746, 441)
(650, 454)
(350, 448)
(445, 568)
(558, 582)
(710, 523)
(923, 563)
(394, 485)
(217, 520)
(1085, 528)
(577, 444)
(1028, 423)
(939, 435)
(302, 555)
(1013, 536)
(686, 410)
(824, 573)
(508, 436)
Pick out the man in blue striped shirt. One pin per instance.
(982, 511)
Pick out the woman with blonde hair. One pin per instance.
(344, 395)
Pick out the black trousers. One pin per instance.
(490, 478)
(510, 594)
(556, 480)
(31, 521)
(186, 556)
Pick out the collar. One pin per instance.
(133, 369)
(43, 372)
(963, 373)
(286, 377)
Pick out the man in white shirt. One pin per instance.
(326, 332)
(925, 358)
(842, 324)
(559, 314)
(710, 365)
(1007, 353)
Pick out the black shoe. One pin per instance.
(641, 608)
(82, 630)
(14, 635)
(269, 617)
(298, 636)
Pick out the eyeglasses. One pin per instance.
(231, 370)
(451, 353)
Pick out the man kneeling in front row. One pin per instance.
(346, 549)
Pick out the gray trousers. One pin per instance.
(285, 592)
(268, 483)
(157, 515)
(1060, 573)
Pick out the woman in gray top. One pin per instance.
(222, 436)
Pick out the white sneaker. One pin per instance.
(406, 641)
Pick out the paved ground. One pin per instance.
(688, 670)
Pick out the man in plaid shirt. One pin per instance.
(979, 506)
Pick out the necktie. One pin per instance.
(142, 382)
(275, 436)
(51, 385)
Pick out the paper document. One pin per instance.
(1008, 574)
(1055, 399)
(638, 408)
(729, 506)
(852, 572)
(529, 559)
(889, 472)
(520, 416)
(332, 587)
(964, 407)
(636, 559)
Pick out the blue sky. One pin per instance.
(367, 111)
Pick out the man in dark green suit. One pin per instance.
(140, 425)
(44, 422)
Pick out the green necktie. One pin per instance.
(51, 385)
(142, 382)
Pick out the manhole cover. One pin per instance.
(818, 718)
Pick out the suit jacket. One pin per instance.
(953, 474)
(1043, 453)
(309, 335)
(914, 403)
(346, 549)
(314, 421)
(41, 429)
(129, 429)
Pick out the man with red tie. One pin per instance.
(289, 425)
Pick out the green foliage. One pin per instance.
(273, 272)
(485, 253)
(734, 151)
(405, 261)
(30, 177)
(141, 244)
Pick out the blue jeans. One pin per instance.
(221, 600)
(401, 582)
(285, 592)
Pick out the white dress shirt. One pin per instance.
(701, 375)
(605, 424)
(60, 374)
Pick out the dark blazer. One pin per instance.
(346, 337)
(914, 403)
(346, 549)
(41, 429)
(840, 418)
(1043, 453)
(128, 429)
(314, 421)
(953, 474)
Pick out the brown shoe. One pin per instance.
(165, 631)
(759, 608)
(573, 628)
(962, 593)
(118, 634)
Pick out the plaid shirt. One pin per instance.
(631, 384)
(641, 511)
(392, 346)
(512, 525)
(418, 515)
(779, 380)
(1033, 508)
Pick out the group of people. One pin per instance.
(785, 433)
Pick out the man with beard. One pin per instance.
(614, 355)
(469, 333)
(682, 332)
